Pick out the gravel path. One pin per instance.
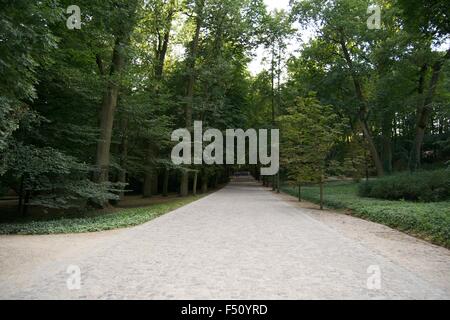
(243, 242)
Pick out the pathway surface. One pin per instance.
(243, 242)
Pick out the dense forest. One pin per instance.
(87, 106)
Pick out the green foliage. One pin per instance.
(25, 42)
(387, 63)
(93, 221)
(430, 221)
(55, 180)
(53, 82)
(425, 186)
(308, 133)
(429, 17)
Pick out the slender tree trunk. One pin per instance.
(278, 182)
(199, 5)
(155, 182)
(26, 204)
(184, 183)
(21, 187)
(273, 99)
(387, 142)
(321, 193)
(147, 187)
(363, 111)
(216, 181)
(204, 183)
(148, 183)
(300, 192)
(191, 62)
(166, 183)
(161, 48)
(366, 162)
(194, 188)
(149, 174)
(123, 155)
(278, 103)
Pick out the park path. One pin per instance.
(242, 242)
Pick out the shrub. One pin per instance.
(424, 186)
(54, 179)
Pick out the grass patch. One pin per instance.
(115, 220)
(429, 221)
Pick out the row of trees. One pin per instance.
(87, 114)
(359, 101)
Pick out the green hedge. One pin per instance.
(424, 186)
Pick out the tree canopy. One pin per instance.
(86, 114)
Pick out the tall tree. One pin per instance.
(127, 14)
(430, 19)
(310, 131)
(352, 39)
(160, 19)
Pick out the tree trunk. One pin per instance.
(166, 183)
(199, 5)
(424, 111)
(366, 162)
(215, 181)
(26, 203)
(363, 111)
(191, 62)
(21, 187)
(278, 104)
(387, 143)
(184, 183)
(109, 101)
(204, 183)
(160, 52)
(148, 183)
(278, 182)
(372, 148)
(155, 182)
(321, 193)
(149, 175)
(106, 125)
(194, 188)
(123, 155)
(300, 192)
